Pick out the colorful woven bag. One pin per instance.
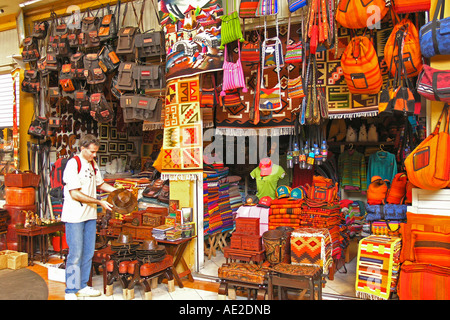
(294, 5)
(428, 165)
(295, 88)
(361, 67)
(233, 74)
(231, 29)
(434, 84)
(294, 53)
(267, 8)
(397, 192)
(247, 8)
(409, 6)
(357, 14)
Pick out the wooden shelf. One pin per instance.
(357, 143)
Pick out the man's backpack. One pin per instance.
(57, 174)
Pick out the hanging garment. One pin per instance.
(352, 170)
(383, 164)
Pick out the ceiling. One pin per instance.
(12, 6)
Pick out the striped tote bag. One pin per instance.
(361, 67)
(267, 8)
(233, 74)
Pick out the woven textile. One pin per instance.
(378, 267)
(182, 152)
(311, 246)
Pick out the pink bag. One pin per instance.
(233, 74)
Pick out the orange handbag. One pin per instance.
(409, 39)
(397, 192)
(407, 6)
(357, 14)
(361, 67)
(376, 191)
(428, 165)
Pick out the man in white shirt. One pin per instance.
(80, 216)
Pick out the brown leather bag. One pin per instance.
(153, 190)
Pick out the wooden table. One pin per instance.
(40, 233)
(176, 249)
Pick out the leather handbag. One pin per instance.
(428, 165)
(108, 60)
(435, 35)
(101, 110)
(31, 81)
(125, 79)
(65, 78)
(92, 71)
(88, 37)
(77, 66)
(40, 30)
(230, 29)
(148, 76)
(81, 101)
(126, 40)
(30, 50)
(108, 24)
(434, 84)
(38, 127)
(150, 44)
(233, 74)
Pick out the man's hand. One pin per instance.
(106, 205)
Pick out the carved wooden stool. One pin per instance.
(122, 271)
(242, 275)
(147, 274)
(303, 277)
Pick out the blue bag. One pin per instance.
(294, 5)
(435, 35)
(387, 212)
(374, 212)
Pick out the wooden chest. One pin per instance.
(248, 226)
(243, 255)
(138, 232)
(151, 219)
(246, 242)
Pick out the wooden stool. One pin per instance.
(251, 277)
(222, 238)
(211, 244)
(147, 274)
(100, 258)
(303, 277)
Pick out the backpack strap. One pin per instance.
(77, 158)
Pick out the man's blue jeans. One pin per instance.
(81, 241)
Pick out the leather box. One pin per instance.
(158, 210)
(248, 226)
(243, 255)
(130, 229)
(151, 219)
(144, 232)
(251, 243)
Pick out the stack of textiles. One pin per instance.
(205, 205)
(353, 213)
(378, 267)
(328, 217)
(285, 212)
(212, 213)
(235, 195)
(224, 204)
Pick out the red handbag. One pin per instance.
(434, 84)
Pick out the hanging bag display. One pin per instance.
(92, 71)
(101, 110)
(108, 59)
(357, 14)
(147, 76)
(65, 78)
(150, 44)
(230, 29)
(233, 74)
(209, 97)
(360, 66)
(404, 100)
(434, 84)
(31, 81)
(435, 35)
(40, 30)
(30, 52)
(294, 51)
(62, 34)
(125, 80)
(126, 35)
(77, 66)
(428, 165)
(250, 51)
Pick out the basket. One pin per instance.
(22, 179)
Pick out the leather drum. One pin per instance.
(20, 196)
(274, 244)
(287, 235)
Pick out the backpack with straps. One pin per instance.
(57, 174)
(108, 24)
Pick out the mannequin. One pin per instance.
(267, 175)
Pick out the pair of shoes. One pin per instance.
(70, 296)
(88, 292)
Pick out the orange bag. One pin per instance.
(361, 67)
(412, 56)
(428, 165)
(407, 6)
(377, 190)
(357, 14)
(397, 192)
